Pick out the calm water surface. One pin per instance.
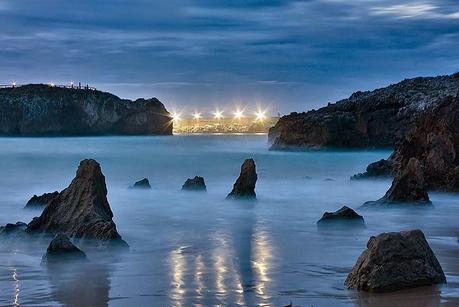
(192, 249)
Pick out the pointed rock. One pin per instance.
(195, 184)
(142, 184)
(244, 188)
(81, 210)
(407, 188)
(61, 249)
(345, 215)
(394, 261)
(41, 201)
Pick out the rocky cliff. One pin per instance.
(46, 110)
(379, 118)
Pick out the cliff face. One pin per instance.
(45, 110)
(379, 118)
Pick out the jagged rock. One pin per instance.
(342, 217)
(13, 229)
(41, 201)
(81, 210)
(61, 249)
(141, 184)
(379, 169)
(407, 188)
(45, 110)
(380, 118)
(244, 187)
(195, 184)
(394, 261)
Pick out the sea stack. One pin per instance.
(142, 184)
(41, 201)
(194, 184)
(394, 261)
(244, 187)
(407, 188)
(81, 210)
(61, 249)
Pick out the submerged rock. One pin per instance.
(13, 229)
(344, 216)
(394, 261)
(61, 249)
(407, 188)
(81, 210)
(141, 184)
(41, 201)
(379, 169)
(244, 187)
(195, 184)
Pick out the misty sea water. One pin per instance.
(198, 249)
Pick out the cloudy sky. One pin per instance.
(290, 55)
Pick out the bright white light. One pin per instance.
(176, 116)
(238, 114)
(196, 115)
(260, 115)
(218, 114)
(51, 84)
(13, 83)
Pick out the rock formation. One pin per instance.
(46, 110)
(41, 201)
(141, 184)
(13, 229)
(195, 184)
(61, 249)
(344, 216)
(244, 187)
(81, 210)
(394, 261)
(435, 143)
(407, 188)
(380, 118)
(379, 169)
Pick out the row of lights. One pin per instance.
(52, 84)
(260, 115)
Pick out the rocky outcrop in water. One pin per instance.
(379, 169)
(142, 184)
(46, 110)
(13, 229)
(62, 249)
(81, 210)
(396, 260)
(380, 118)
(435, 143)
(194, 184)
(407, 188)
(344, 216)
(244, 187)
(41, 201)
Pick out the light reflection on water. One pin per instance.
(199, 249)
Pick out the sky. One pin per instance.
(285, 55)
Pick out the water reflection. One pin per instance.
(16, 287)
(177, 263)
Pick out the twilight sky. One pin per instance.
(288, 55)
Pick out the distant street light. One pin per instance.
(176, 117)
(238, 114)
(13, 83)
(218, 114)
(196, 115)
(260, 115)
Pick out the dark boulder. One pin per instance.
(244, 188)
(379, 169)
(407, 188)
(342, 217)
(394, 261)
(194, 184)
(81, 210)
(141, 184)
(41, 201)
(61, 249)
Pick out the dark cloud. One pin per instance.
(293, 55)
